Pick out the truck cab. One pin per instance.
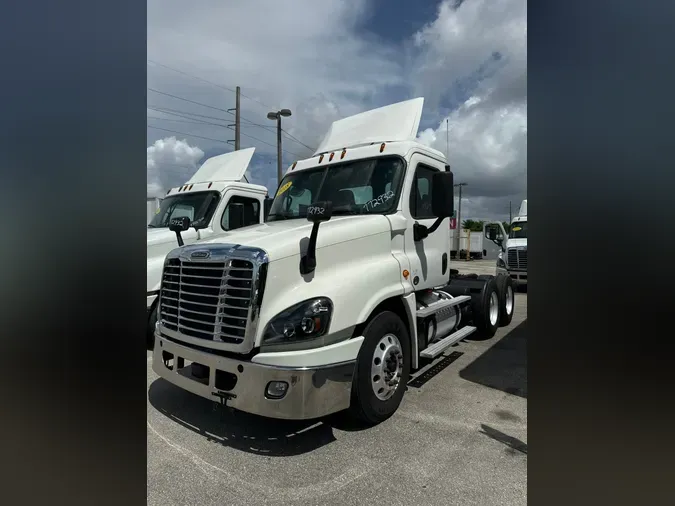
(345, 290)
(215, 194)
(512, 259)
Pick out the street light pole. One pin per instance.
(276, 115)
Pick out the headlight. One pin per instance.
(500, 260)
(307, 320)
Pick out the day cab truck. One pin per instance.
(216, 199)
(346, 289)
(512, 259)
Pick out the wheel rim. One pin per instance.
(386, 367)
(494, 308)
(509, 300)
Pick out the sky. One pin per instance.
(334, 58)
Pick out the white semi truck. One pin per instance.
(216, 200)
(512, 260)
(346, 289)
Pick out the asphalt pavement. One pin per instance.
(459, 437)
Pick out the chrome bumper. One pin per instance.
(518, 277)
(312, 392)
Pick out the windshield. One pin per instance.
(198, 206)
(359, 187)
(518, 230)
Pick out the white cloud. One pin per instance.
(487, 135)
(316, 59)
(171, 162)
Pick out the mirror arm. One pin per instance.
(421, 232)
(179, 238)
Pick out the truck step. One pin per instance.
(441, 304)
(436, 349)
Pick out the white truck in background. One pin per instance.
(345, 290)
(512, 260)
(216, 200)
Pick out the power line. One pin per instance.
(179, 112)
(191, 101)
(219, 140)
(206, 105)
(182, 121)
(208, 82)
(259, 140)
(188, 135)
(296, 140)
(189, 118)
(183, 114)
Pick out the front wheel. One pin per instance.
(382, 369)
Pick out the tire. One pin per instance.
(366, 405)
(483, 307)
(507, 300)
(150, 332)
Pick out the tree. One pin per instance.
(473, 225)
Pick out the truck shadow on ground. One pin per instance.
(243, 431)
(504, 365)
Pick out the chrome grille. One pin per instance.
(207, 300)
(517, 258)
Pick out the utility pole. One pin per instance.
(510, 217)
(237, 120)
(276, 115)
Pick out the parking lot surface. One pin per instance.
(459, 437)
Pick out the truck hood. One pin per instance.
(282, 239)
(161, 236)
(516, 243)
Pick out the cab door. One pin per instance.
(430, 256)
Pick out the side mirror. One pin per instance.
(236, 216)
(442, 197)
(491, 232)
(319, 212)
(316, 213)
(179, 224)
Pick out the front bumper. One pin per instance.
(518, 277)
(312, 392)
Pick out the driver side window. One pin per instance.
(251, 211)
(420, 193)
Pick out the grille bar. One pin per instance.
(207, 300)
(517, 258)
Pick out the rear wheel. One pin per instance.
(485, 309)
(507, 301)
(382, 369)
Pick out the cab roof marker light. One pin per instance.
(382, 147)
(321, 159)
(293, 166)
(330, 158)
(209, 186)
(344, 152)
(191, 186)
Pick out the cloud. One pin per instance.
(320, 60)
(486, 135)
(171, 162)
